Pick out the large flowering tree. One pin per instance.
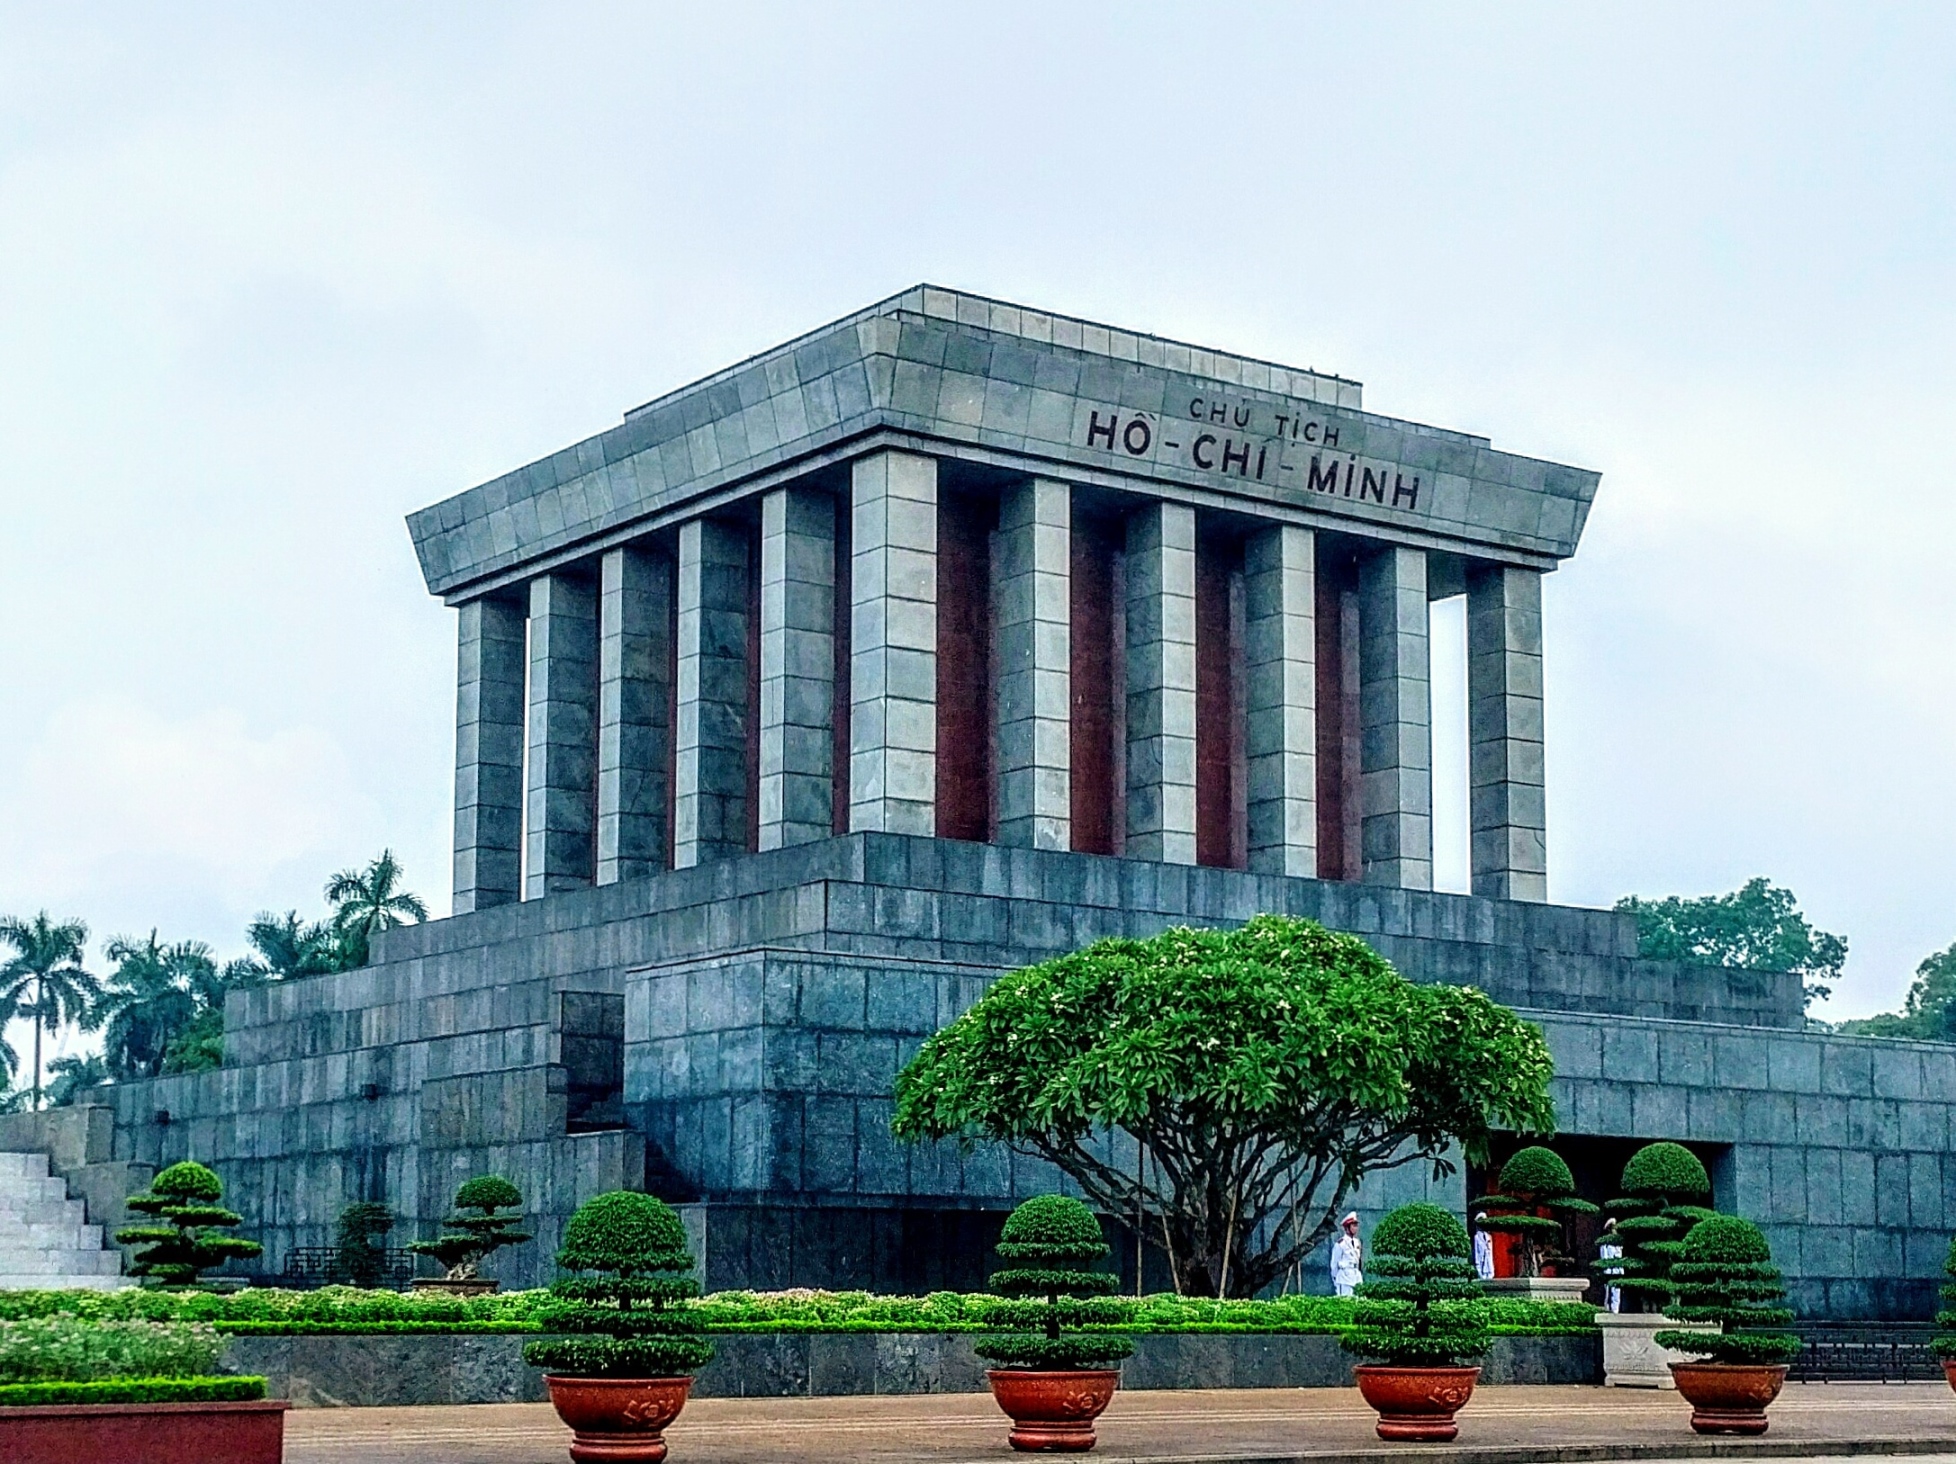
(1265, 1072)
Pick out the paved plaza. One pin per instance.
(1514, 1425)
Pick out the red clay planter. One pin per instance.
(618, 1418)
(1053, 1410)
(144, 1433)
(1728, 1397)
(1417, 1403)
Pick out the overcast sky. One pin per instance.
(271, 280)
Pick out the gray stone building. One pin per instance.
(945, 638)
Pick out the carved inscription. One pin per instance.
(1254, 442)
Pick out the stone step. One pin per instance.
(18, 1282)
(14, 1165)
(40, 1212)
(56, 1237)
(34, 1189)
(22, 1261)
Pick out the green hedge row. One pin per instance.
(343, 1310)
(134, 1390)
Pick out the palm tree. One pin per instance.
(73, 1076)
(286, 946)
(45, 979)
(149, 1000)
(368, 900)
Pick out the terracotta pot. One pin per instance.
(1728, 1397)
(481, 1286)
(156, 1433)
(618, 1418)
(1417, 1403)
(1949, 1370)
(1053, 1410)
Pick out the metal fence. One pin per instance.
(1867, 1352)
(308, 1266)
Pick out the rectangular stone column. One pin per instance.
(634, 698)
(1395, 720)
(1034, 613)
(893, 644)
(797, 666)
(1507, 801)
(1280, 664)
(709, 805)
(562, 834)
(1161, 684)
(489, 754)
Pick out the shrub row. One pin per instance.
(134, 1390)
(345, 1310)
(79, 1350)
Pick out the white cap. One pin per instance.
(1350, 1219)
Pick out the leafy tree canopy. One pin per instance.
(1422, 1304)
(186, 1236)
(1266, 1069)
(1930, 1010)
(368, 901)
(1049, 1289)
(1758, 926)
(43, 980)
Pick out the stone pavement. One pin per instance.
(1503, 1425)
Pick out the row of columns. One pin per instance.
(611, 663)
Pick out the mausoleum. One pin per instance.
(945, 638)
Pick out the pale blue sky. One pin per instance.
(270, 281)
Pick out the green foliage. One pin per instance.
(1664, 1185)
(43, 980)
(74, 1078)
(361, 1241)
(134, 1390)
(368, 901)
(341, 1310)
(1533, 1180)
(1537, 1173)
(1048, 1291)
(1266, 1070)
(478, 1228)
(188, 1240)
(1929, 1013)
(1421, 1305)
(1724, 1273)
(1945, 1341)
(77, 1350)
(634, 1320)
(1757, 926)
(162, 1009)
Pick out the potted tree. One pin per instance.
(1945, 1341)
(1537, 1196)
(190, 1238)
(1052, 1379)
(1665, 1190)
(1724, 1275)
(487, 1212)
(624, 1372)
(1423, 1316)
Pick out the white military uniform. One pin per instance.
(1346, 1264)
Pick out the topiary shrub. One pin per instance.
(1724, 1273)
(361, 1243)
(633, 1319)
(1945, 1340)
(190, 1239)
(1664, 1190)
(478, 1228)
(1048, 1291)
(1534, 1180)
(1424, 1306)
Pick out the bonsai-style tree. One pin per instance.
(1049, 1245)
(1534, 1180)
(361, 1243)
(190, 1238)
(1422, 1306)
(1724, 1273)
(1945, 1340)
(1264, 1072)
(632, 1320)
(1664, 1193)
(478, 1228)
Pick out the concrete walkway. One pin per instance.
(1512, 1425)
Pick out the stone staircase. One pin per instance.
(45, 1240)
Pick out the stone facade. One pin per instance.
(1145, 626)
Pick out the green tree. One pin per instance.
(1665, 1193)
(74, 1076)
(1758, 926)
(1534, 1179)
(1266, 1071)
(285, 947)
(1724, 1273)
(1421, 1305)
(147, 1001)
(44, 979)
(1050, 1291)
(1929, 1012)
(487, 1213)
(634, 1318)
(367, 901)
(362, 1242)
(1945, 1339)
(190, 1239)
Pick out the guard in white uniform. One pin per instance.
(1347, 1258)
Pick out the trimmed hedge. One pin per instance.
(341, 1310)
(65, 1349)
(134, 1390)
(1422, 1304)
(1056, 1308)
